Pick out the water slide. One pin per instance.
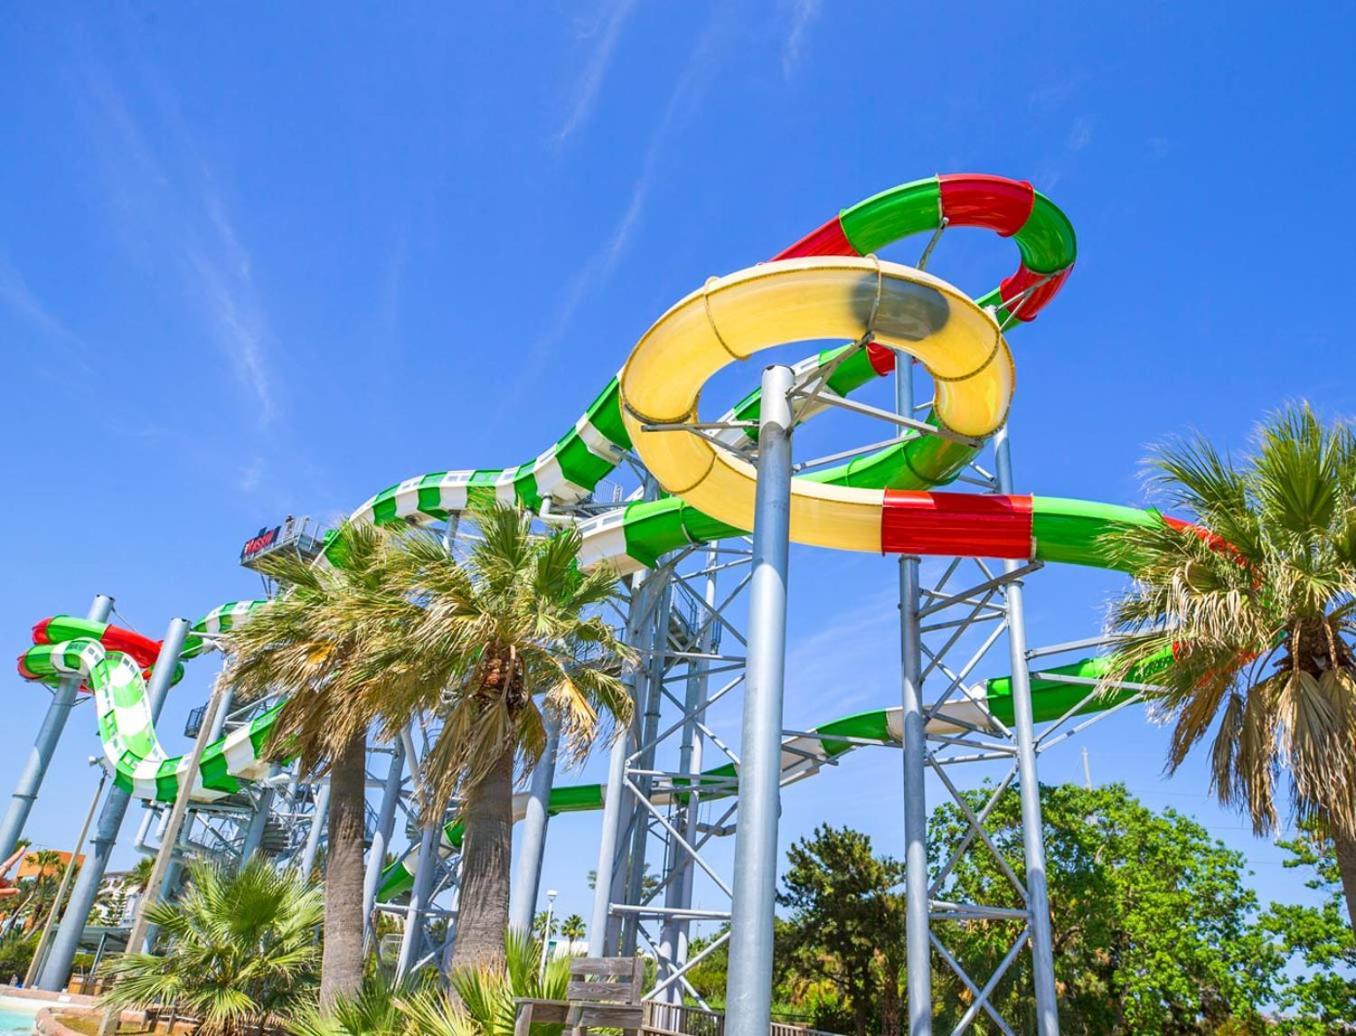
(828, 285)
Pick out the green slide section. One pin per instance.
(637, 534)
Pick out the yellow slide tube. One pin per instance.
(733, 317)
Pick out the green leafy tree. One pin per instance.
(572, 928)
(540, 931)
(1257, 608)
(241, 949)
(1152, 922)
(845, 925)
(1317, 991)
(487, 641)
(316, 641)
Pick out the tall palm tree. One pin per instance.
(1256, 606)
(572, 928)
(314, 641)
(242, 949)
(43, 890)
(490, 640)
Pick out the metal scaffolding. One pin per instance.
(686, 620)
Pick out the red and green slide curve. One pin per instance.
(911, 515)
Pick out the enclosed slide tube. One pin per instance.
(827, 285)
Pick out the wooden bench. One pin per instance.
(604, 993)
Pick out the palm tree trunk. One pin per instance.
(341, 964)
(483, 901)
(1346, 866)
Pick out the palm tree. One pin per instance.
(1255, 606)
(140, 874)
(513, 618)
(313, 641)
(481, 1001)
(49, 863)
(572, 928)
(242, 949)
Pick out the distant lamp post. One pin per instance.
(546, 933)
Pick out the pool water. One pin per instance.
(12, 1021)
(16, 1015)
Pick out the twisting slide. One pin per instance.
(828, 285)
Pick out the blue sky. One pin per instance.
(271, 260)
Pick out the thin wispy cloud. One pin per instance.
(17, 297)
(585, 96)
(802, 13)
(170, 213)
(1080, 136)
(225, 282)
(248, 479)
(685, 99)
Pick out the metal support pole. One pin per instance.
(254, 833)
(917, 941)
(169, 885)
(614, 798)
(381, 836)
(608, 838)
(219, 724)
(109, 1025)
(640, 829)
(425, 867)
(35, 769)
(67, 941)
(319, 812)
(532, 846)
(673, 936)
(40, 950)
(748, 990)
(1033, 835)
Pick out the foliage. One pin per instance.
(539, 925)
(316, 642)
(111, 904)
(482, 634)
(489, 642)
(479, 1003)
(241, 949)
(1258, 615)
(376, 1010)
(16, 953)
(1318, 990)
(1151, 918)
(841, 946)
(573, 928)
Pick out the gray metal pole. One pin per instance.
(608, 838)
(40, 950)
(44, 745)
(610, 830)
(532, 845)
(381, 837)
(254, 833)
(57, 967)
(1033, 835)
(223, 713)
(426, 865)
(673, 936)
(658, 631)
(135, 938)
(917, 944)
(319, 812)
(748, 990)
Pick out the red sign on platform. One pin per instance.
(260, 543)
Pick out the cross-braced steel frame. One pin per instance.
(960, 618)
